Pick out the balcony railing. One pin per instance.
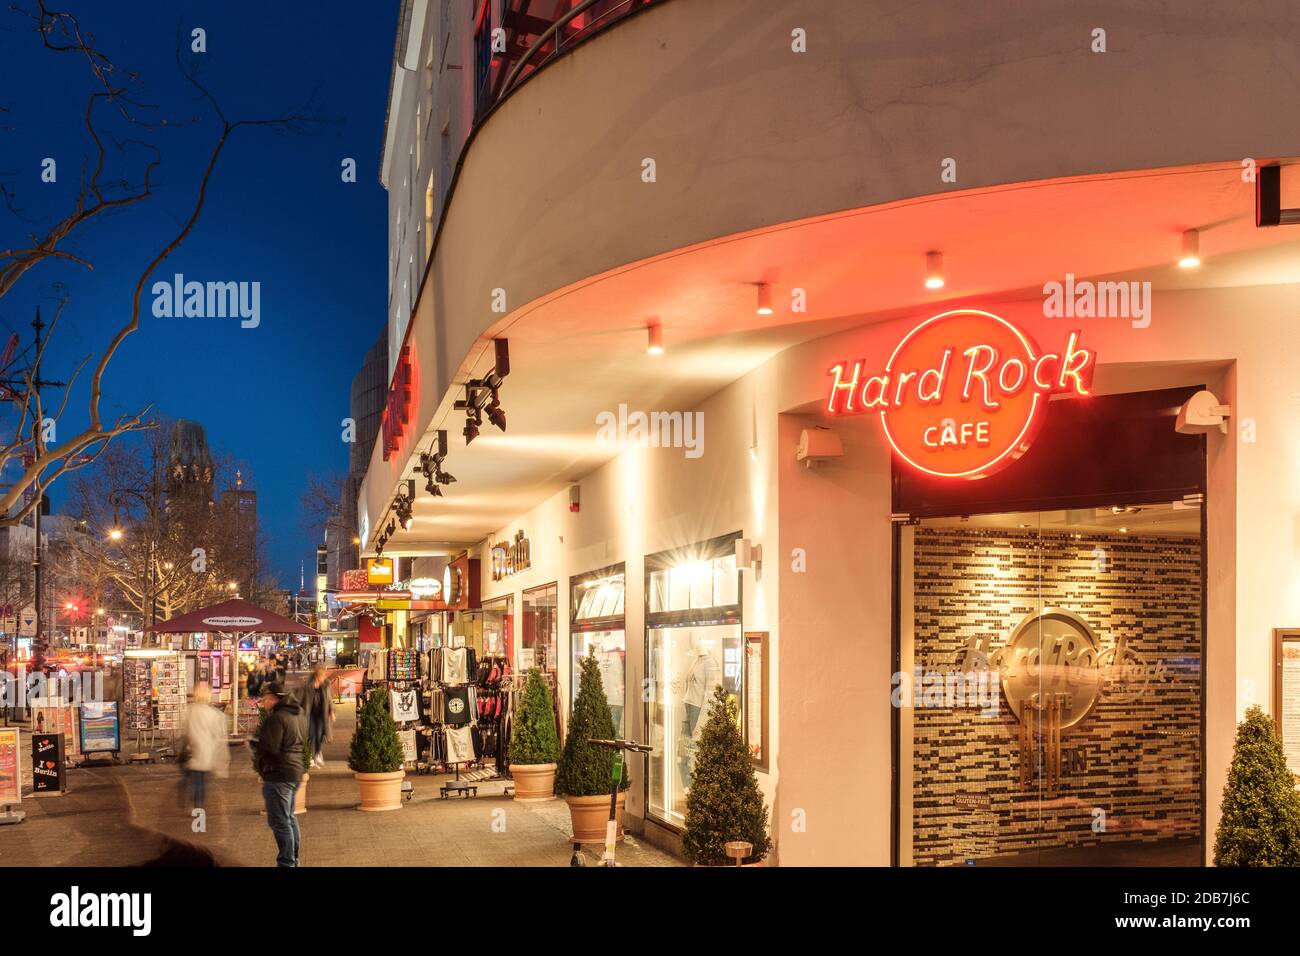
(535, 32)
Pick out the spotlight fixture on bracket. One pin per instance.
(404, 505)
(431, 467)
(484, 393)
(764, 304)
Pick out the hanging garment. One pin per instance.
(377, 671)
(455, 665)
(457, 705)
(460, 745)
(404, 705)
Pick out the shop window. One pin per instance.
(693, 644)
(540, 633)
(597, 626)
(1050, 687)
(489, 631)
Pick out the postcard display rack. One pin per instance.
(153, 696)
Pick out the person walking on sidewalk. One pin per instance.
(279, 764)
(205, 740)
(318, 705)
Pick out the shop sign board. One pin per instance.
(11, 790)
(48, 773)
(963, 393)
(509, 558)
(100, 728)
(379, 571)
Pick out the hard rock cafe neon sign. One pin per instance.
(964, 392)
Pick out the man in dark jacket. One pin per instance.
(279, 764)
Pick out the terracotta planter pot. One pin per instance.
(380, 791)
(300, 796)
(534, 781)
(591, 814)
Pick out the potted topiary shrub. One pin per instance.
(724, 803)
(376, 755)
(584, 775)
(1260, 825)
(534, 744)
(300, 795)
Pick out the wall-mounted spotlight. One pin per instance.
(934, 270)
(748, 555)
(494, 412)
(655, 345)
(764, 305)
(1191, 255)
(485, 392)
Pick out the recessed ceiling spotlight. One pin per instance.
(764, 306)
(934, 270)
(1191, 257)
(655, 346)
(1123, 530)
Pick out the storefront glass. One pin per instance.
(541, 629)
(489, 630)
(693, 644)
(597, 627)
(1050, 687)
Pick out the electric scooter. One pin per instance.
(616, 777)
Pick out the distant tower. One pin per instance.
(189, 462)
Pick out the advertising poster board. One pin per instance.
(53, 716)
(48, 770)
(101, 730)
(11, 790)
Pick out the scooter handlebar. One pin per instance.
(620, 745)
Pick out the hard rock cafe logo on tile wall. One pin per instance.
(1053, 655)
(964, 392)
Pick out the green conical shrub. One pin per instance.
(1260, 825)
(533, 739)
(724, 802)
(375, 744)
(585, 770)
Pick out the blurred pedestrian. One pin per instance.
(279, 764)
(318, 705)
(205, 743)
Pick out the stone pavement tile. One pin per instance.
(128, 815)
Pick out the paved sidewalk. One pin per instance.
(133, 815)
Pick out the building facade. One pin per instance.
(859, 364)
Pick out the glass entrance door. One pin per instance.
(1050, 688)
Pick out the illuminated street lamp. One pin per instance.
(116, 534)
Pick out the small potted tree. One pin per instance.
(724, 803)
(534, 744)
(1260, 825)
(375, 758)
(585, 772)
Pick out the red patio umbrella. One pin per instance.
(235, 616)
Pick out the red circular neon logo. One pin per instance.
(964, 393)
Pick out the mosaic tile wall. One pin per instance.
(1142, 757)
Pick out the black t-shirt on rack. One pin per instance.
(456, 705)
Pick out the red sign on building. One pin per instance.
(397, 412)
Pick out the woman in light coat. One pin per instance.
(205, 738)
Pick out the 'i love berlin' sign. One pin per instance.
(964, 393)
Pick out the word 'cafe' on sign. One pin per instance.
(964, 392)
